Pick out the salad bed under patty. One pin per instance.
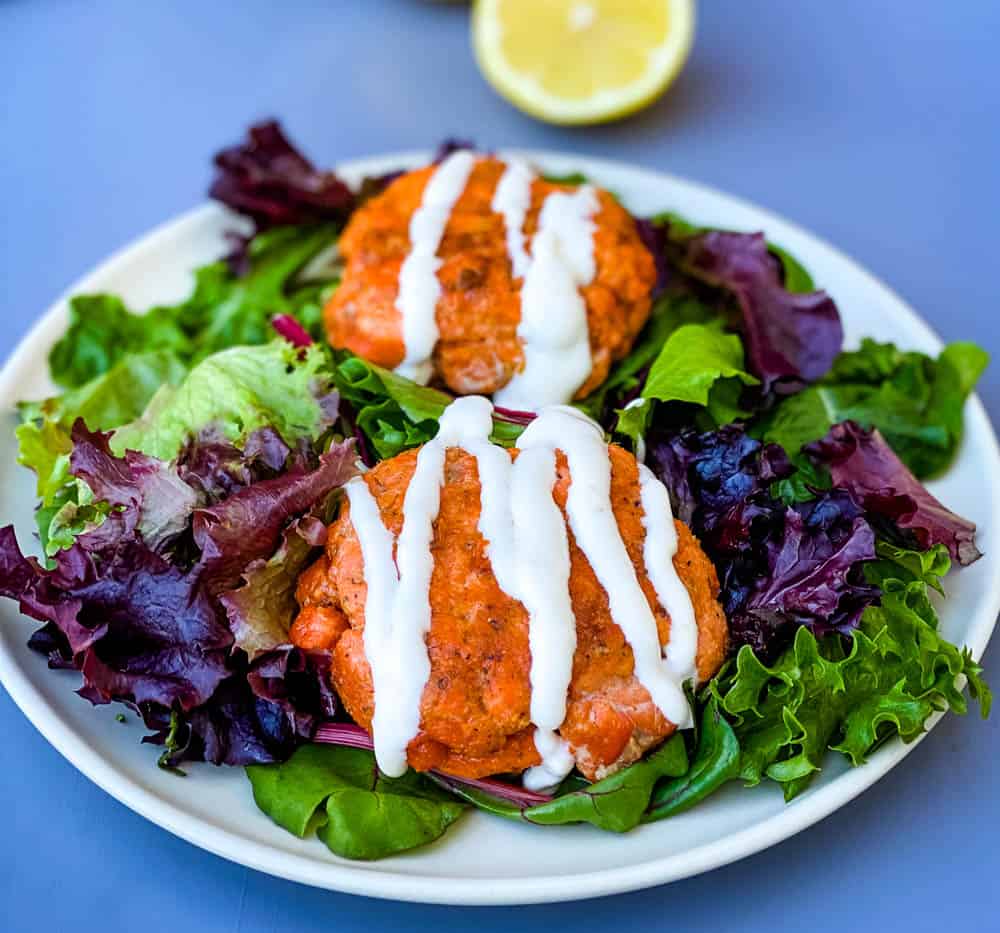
(189, 470)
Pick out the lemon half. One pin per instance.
(581, 61)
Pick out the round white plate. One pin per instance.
(481, 860)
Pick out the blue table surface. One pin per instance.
(871, 122)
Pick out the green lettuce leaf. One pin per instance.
(395, 413)
(222, 311)
(102, 332)
(849, 696)
(669, 313)
(359, 813)
(105, 402)
(237, 391)
(914, 400)
(700, 364)
(154, 406)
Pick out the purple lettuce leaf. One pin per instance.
(780, 567)
(791, 338)
(148, 498)
(247, 526)
(215, 468)
(138, 628)
(862, 462)
(258, 715)
(708, 474)
(144, 624)
(814, 573)
(269, 180)
(450, 146)
(655, 238)
(262, 608)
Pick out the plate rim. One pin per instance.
(442, 889)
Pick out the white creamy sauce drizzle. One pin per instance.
(554, 334)
(512, 200)
(419, 288)
(658, 550)
(553, 328)
(528, 546)
(543, 589)
(592, 521)
(382, 582)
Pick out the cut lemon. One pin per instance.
(581, 61)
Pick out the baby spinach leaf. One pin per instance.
(716, 761)
(357, 812)
(618, 802)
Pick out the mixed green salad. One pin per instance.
(188, 469)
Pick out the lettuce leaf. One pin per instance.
(791, 337)
(862, 462)
(391, 413)
(222, 311)
(849, 695)
(107, 401)
(238, 391)
(262, 607)
(626, 379)
(914, 400)
(269, 180)
(134, 604)
(698, 364)
(795, 277)
(44, 442)
(234, 393)
(780, 566)
(394, 414)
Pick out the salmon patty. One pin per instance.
(478, 349)
(475, 707)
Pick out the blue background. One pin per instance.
(872, 122)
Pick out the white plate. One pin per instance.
(481, 860)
